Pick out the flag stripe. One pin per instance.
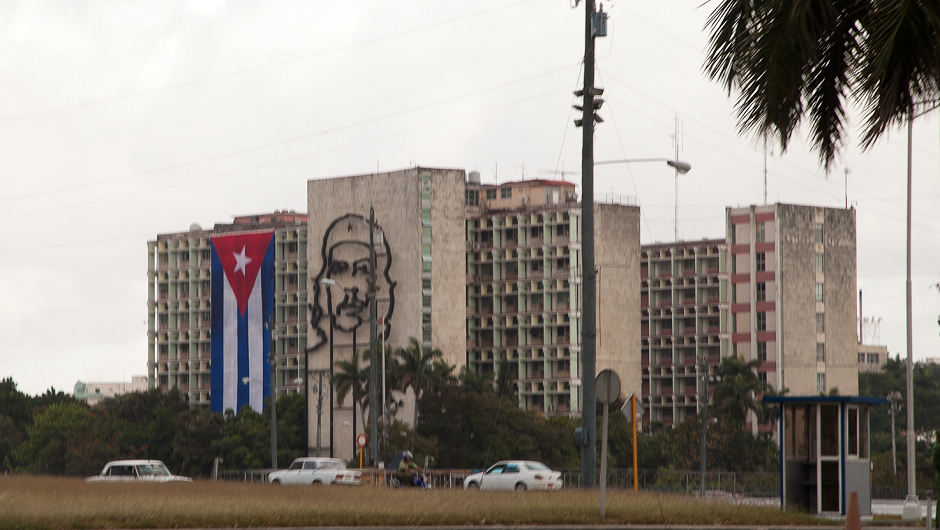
(256, 349)
(230, 349)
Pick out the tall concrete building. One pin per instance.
(523, 256)
(179, 290)
(793, 295)
(419, 241)
(684, 325)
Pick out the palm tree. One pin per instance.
(738, 389)
(788, 59)
(417, 370)
(351, 376)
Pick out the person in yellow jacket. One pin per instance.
(408, 471)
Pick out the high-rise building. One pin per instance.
(684, 326)
(523, 255)
(92, 392)
(793, 295)
(179, 306)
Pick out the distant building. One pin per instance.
(793, 295)
(523, 284)
(872, 357)
(179, 291)
(684, 299)
(93, 392)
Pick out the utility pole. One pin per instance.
(894, 398)
(704, 454)
(588, 308)
(373, 362)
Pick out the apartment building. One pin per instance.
(872, 357)
(523, 281)
(793, 295)
(179, 291)
(684, 324)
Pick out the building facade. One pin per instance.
(93, 392)
(179, 305)
(872, 357)
(523, 281)
(419, 242)
(793, 295)
(684, 324)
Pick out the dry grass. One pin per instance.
(55, 503)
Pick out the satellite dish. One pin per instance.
(195, 228)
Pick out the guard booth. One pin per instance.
(824, 452)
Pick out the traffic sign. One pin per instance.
(607, 386)
(361, 440)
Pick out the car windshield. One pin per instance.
(537, 466)
(152, 469)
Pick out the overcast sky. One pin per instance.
(123, 120)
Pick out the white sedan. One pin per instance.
(137, 471)
(317, 471)
(515, 474)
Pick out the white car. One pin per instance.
(136, 471)
(317, 471)
(515, 474)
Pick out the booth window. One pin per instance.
(857, 433)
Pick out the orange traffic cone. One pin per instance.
(853, 520)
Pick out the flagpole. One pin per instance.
(273, 392)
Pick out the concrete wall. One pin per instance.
(397, 200)
(617, 256)
(798, 306)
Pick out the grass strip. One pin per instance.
(41, 503)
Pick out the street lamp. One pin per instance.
(681, 169)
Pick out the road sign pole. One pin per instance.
(636, 480)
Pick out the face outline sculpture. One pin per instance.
(344, 257)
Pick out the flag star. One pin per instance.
(241, 261)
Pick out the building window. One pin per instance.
(761, 321)
(505, 193)
(762, 377)
(873, 358)
(761, 292)
(472, 198)
(734, 264)
(490, 195)
(760, 233)
(818, 233)
(734, 294)
(819, 262)
(819, 292)
(821, 383)
(762, 351)
(820, 322)
(861, 358)
(820, 352)
(761, 261)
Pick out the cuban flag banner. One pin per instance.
(242, 303)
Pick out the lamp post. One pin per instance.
(681, 169)
(911, 508)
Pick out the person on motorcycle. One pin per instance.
(408, 471)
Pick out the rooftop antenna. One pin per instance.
(765, 168)
(847, 171)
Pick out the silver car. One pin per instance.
(136, 471)
(517, 475)
(318, 472)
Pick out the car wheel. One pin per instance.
(521, 487)
(275, 481)
(473, 486)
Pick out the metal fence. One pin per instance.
(717, 483)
